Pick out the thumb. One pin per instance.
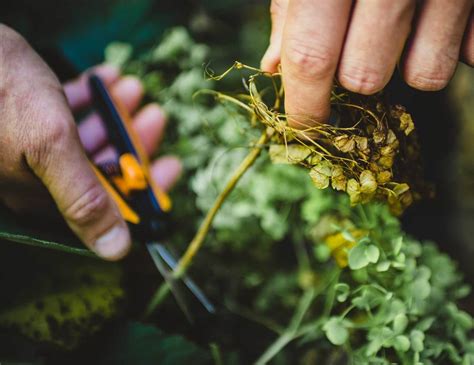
(271, 58)
(61, 164)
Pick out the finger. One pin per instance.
(106, 154)
(271, 58)
(149, 123)
(77, 91)
(374, 42)
(128, 91)
(312, 42)
(433, 51)
(166, 171)
(57, 158)
(467, 53)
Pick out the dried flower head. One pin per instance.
(370, 153)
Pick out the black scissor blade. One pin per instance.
(168, 276)
(190, 284)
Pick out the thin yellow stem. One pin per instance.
(203, 230)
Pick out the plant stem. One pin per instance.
(203, 230)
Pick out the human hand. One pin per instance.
(361, 43)
(43, 157)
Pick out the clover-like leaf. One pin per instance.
(373, 253)
(401, 343)
(342, 291)
(417, 339)
(336, 331)
(383, 266)
(357, 257)
(400, 323)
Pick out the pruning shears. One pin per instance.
(141, 202)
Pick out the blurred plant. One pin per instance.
(360, 290)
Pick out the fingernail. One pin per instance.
(113, 244)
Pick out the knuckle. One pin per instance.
(88, 207)
(57, 130)
(46, 142)
(362, 80)
(11, 40)
(310, 61)
(431, 75)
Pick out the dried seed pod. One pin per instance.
(368, 183)
(344, 143)
(384, 176)
(321, 173)
(370, 136)
(338, 180)
(362, 144)
(290, 154)
(353, 189)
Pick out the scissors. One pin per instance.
(143, 205)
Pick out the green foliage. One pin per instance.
(330, 282)
(139, 344)
(395, 302)
(69, 297)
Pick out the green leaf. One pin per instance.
(358, 257)
(397, 245)
(400, 323)
(322, 252)
(417, 338)
(335, 331)
(401, 343)
(118, 53)
(383, 266)
(59, 238)
(139, 344)
(70, 299)
(373, 253)
(342, 291)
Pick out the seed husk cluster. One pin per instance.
(370, 150)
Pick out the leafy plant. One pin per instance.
(380, 299)
(320, 280)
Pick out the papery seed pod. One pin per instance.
(384, 176)
(406, 123)
(368, 184)
(386, 162)
(338, 180)
(379, 136)
(353, 189)
(290, 154)
(344, 143)
(406, 199)
(314, 159)
(321, 173)
(399, 189)
(362, 144)
(392, 139)
(387, 151)
(397, 110)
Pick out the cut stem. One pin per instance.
(206, 224)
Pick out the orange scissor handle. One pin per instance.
(126, 212)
